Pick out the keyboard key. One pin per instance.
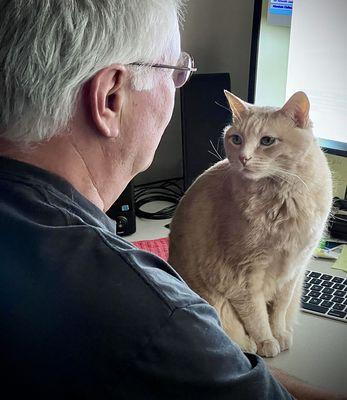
(328, 284)
(340, 293)
(315, 301)
(316, 287)
(339, 307)
(305, 299)
(336, 313)
(338, 286)
(327, 304)
(326, 277)
(337, 299)
(316, 308)
(326, 296)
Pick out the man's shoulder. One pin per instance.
(85, 282)
(51, 225)
(146, 269)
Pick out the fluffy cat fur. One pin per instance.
(245, 230)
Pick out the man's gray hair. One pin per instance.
(50, 48)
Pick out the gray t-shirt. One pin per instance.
(84, 314)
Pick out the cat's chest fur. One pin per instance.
(281, 212)
(278, 224)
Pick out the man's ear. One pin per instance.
(297, 108)
(106, 98)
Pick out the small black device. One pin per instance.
(204, 114)
(123, 212)
(338, 221)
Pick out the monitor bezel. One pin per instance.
(333, 147)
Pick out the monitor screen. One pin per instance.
(309, 55)
(279, 12)
(317, 64)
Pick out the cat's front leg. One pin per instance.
(252, 310)
(278, 311)
(233, 326)
(294, 306)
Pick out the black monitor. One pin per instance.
(204, 114)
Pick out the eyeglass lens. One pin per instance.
(181, 77)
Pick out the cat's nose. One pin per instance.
(244, 160)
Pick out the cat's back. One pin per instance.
(202, 197)
(196, 218)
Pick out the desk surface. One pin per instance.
(319, 352)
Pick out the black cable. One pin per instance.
(167, 190)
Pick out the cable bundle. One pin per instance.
(168, 190)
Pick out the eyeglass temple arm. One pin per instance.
(192, 69)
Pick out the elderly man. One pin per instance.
(87, 89)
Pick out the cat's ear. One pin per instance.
(297, 108)
(236, 105)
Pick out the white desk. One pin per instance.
(319, 352)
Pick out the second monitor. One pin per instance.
(204, 114)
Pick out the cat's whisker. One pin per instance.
(258, 161)
(221, 105)
(280, 177)
(285, 177)
(279, 174)
(256, 164)
(216, 154)
(277, 178)
(293, 175)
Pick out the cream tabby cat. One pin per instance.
(245, 230)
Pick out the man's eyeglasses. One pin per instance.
(182, 71)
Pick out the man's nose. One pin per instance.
(244, 160)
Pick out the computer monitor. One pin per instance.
(310, 55)
(204, 114)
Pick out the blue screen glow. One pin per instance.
(281, 7)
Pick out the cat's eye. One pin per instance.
(267, 140)
(236, 139)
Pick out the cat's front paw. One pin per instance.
(269, 348)
(285, 339)
(249, 345)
